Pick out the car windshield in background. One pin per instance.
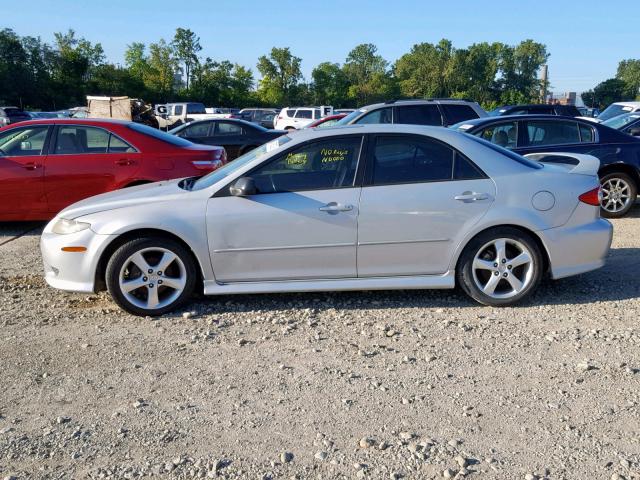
(348, 118)
(160, 135)
(613, 111)
(621, 120)
(508, 153)
(223, 172)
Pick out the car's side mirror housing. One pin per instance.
(243, 187)
(635, 132)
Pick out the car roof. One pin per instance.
(505, 118)
(627, 104)
(74, 121)
(410, 101)
(440, 132)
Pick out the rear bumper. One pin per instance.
(575, 249)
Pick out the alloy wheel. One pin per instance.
(616, 195)
(502, 268)
(152, 278)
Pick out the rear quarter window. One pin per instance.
(458, 113)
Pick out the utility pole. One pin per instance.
(543, 83)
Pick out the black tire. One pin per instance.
(633, 193)
(465, 275)
(123, 253)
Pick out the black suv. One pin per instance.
(536, 109)
(440, 112)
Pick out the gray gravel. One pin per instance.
(346, 385)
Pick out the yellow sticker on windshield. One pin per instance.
(297, 159)
(330, 155)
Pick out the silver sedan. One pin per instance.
(353, 208)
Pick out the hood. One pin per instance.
(130, 196)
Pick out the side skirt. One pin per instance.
(418, 282)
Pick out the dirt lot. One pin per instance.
(349, 385)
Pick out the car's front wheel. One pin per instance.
(619, 193)
(151, 276)
(500, 267)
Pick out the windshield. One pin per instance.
(614, 110)
(229, 168)
(621, 120)
(160, 135)
(349, 118)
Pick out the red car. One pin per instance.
(46, 165)
(327, 121)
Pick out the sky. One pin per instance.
(586, 38)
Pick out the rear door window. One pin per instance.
(228, 128)
(303, 113)
(76, 140)
(410, 159)
(419, 115)
(542, 132)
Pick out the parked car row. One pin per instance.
(46, 165)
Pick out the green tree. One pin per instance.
(281, 77)
(519, 66)
(629, 73)
(426, 71)
(330, 85)
(605, 93)
(187, 45)
(367, 74)
(222, 84)
(162, 66)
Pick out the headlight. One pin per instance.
(64, 226)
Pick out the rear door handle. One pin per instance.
(31, 166)
(468, 197)
(123, 162)
(334, 207)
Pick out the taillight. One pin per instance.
(218, 158)
(592, 197)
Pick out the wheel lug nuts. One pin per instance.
(144, 279)
(159, 272)
(151, 285)
(509, 267)
(496, 273)
(505, 274)
(159, 282)
(495, 265)
(150, 271)
(504, 260)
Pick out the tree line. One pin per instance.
(38, 75)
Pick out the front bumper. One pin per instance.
(72, 271)
(575, 249)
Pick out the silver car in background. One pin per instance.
(353, 208)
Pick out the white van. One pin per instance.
(293, 118)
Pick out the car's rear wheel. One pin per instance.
(500, 267)
(151, 276)
(619, 193)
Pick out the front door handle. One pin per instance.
(468, 197)
(123, 162)
(334, 207)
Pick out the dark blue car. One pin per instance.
(618, 152)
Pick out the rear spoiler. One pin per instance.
(576, 162)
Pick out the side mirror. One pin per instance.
(25, 146)
(243, 187)
(635, 132)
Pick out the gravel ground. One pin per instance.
(346, 385)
